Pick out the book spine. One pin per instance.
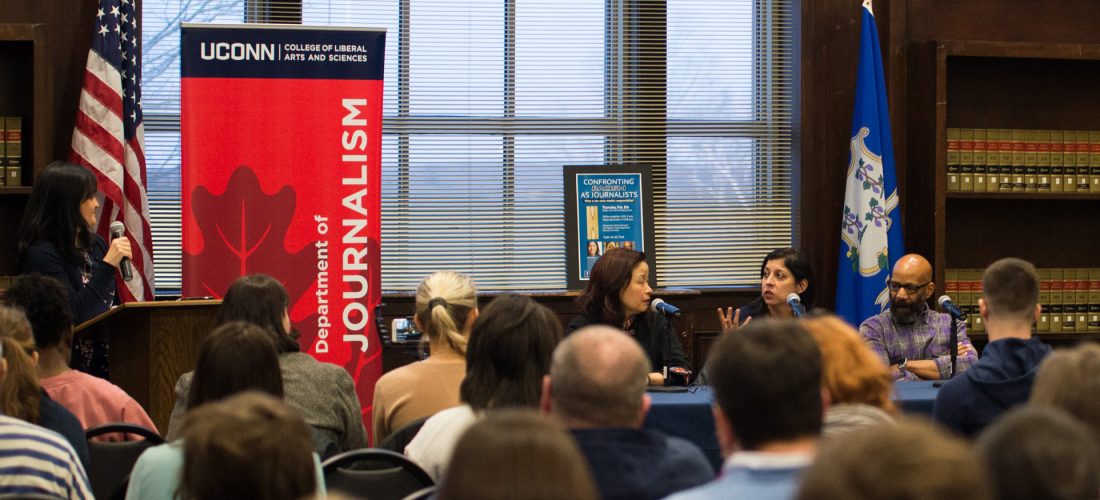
(1057, 148)
(966, 159)
(14, 151)
(964, 298)
(1005, 146)
(1082, 299)
(1069, 178)
(981, 156)
(1094, 161)
(1044, 301)
(1084, 161)
(1094, 300)
(952, 160)
(1031, 161)
(1019, 160)
(1057, 301)
(1043, 159)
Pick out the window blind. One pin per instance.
(486, 100)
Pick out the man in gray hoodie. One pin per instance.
(1002, 377)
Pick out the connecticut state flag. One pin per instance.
(871, 227)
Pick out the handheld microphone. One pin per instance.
(660, 306)
(946, 304)
(118, 230)
(796, 304)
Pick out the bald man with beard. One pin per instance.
(909, 337)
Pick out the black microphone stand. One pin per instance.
(953, 348)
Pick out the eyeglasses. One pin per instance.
(909, 289)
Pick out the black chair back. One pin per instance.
(401, 438)
(375, 474)
(110, 463)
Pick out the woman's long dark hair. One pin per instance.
(235, 357)
(610, 274)
(509, 352)
(799, 266)
(53, 211)
(261, 300)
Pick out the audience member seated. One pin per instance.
(911, 338)
(768, 405)
(21, 395)
(618, 296)
(1068, 379)
(913, 460)
(597, 387)
(322, 392)
(508, 354)
(250, 445)
(859, 387)
(1040, 452)
(236, 357)
(94, 401)
(783, 271)
(1002, 377)
(517, 455)
(35, 461)
(446, 307)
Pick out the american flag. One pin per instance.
(109, 137)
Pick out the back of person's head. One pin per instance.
(606, 281)
(247, 446)
(444, 302)
(516, 454)
(45, 301)
(1067, 379)
(20, 389)
(799, 266)
(598, 376)
(850, 371)
(910, 461)
(261, 300)
(234, 358)
(1040, 452)
(766, 379)
(509, 353)
(1010, 289)
(53, 210)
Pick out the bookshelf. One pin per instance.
(992, 85)
(25, 92)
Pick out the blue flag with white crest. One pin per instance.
(871, 228)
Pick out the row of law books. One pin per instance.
(11, 151)
(1070, 298)
(1023, 161)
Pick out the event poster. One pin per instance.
(281, 133)
(609, 207)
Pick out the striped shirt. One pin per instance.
(926, 337)
(34, 460)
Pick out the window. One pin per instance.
(485, 100)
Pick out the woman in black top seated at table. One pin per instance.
(784, 271)
(618, 295)
(56, 239)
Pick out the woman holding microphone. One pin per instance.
(57, 239)
(618, 295)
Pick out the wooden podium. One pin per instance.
(152, 344)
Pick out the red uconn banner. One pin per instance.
(281, 159)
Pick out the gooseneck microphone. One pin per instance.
(118, 230)
(660, 306)
(946, 304)
(796, 304)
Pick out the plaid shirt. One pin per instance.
(926, 337)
